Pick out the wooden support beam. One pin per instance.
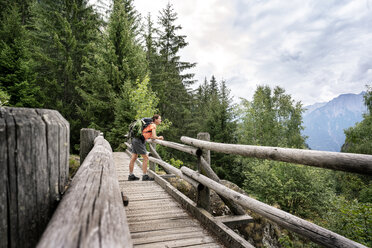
(234, 221)
(307, 229)
(181, 147)
(177, 172)
(358, 163)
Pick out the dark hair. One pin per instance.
(155, 117)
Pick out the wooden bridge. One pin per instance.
(92, 212)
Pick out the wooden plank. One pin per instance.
(156, 216)
(179, 243)
(3, 182)
(209, 245)
(224, 234)
(307, 229)
(158, 233)
(234, 221)
(169, 237)
(358, 163)
(161, 224)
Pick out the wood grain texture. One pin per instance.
(26, 173)
(3, 185)
(87, 136)
(358, 163)
(155, 218)
(313, 232)
(91, 214)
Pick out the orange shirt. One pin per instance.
(147, 132)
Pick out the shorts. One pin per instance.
(138, 147)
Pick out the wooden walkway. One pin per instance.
(155, 218)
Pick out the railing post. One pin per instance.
(152, 164)
(203, 194)
(87, 136)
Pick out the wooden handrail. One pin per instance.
(358, 163)
(177, 172)
(314, 232)
(91, 214)
(181, 147)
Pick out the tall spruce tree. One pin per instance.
(127, 65)
(169, 79)
(17, 79)
(62, 32)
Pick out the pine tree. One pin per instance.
(127, 65)
(16, 77)
(63, 32)
(167, 80)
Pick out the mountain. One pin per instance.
(325, 122)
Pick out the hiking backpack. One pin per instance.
(136, 128)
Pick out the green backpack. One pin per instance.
(136, 128)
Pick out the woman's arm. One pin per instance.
(153, 136)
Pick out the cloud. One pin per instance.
(314, 49)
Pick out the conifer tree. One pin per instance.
(16, 77)
(62, 32)
(169, 79)
(126, 65)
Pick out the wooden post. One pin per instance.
(34, 151)
(203, 198)
(87, 136)
(152, 164)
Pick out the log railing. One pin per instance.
(358, 163)
(91, 214)
(34, 150)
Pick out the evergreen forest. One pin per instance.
(103, 73)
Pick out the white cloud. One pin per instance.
(314, 49)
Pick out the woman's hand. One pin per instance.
(160, 137)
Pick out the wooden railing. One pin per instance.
(358, 163)
(34, 151)
(91, 214)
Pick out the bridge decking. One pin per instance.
(155, 218)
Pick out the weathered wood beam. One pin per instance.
(91, 214)
(358, 163)
(34, 151)
(234, 221)
(87, 136)
(309, 230)
(183, 148)
(177, 172)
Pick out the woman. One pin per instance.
(139, 147)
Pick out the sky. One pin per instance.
(314, 49)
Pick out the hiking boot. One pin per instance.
(147, 178)
(132, 178)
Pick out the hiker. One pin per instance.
(139, 147)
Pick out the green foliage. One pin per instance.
(143, 100)
(351, 219)
(300, 190)
(176, 163)
(4, 98)
(16, 76)
(271, 119)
